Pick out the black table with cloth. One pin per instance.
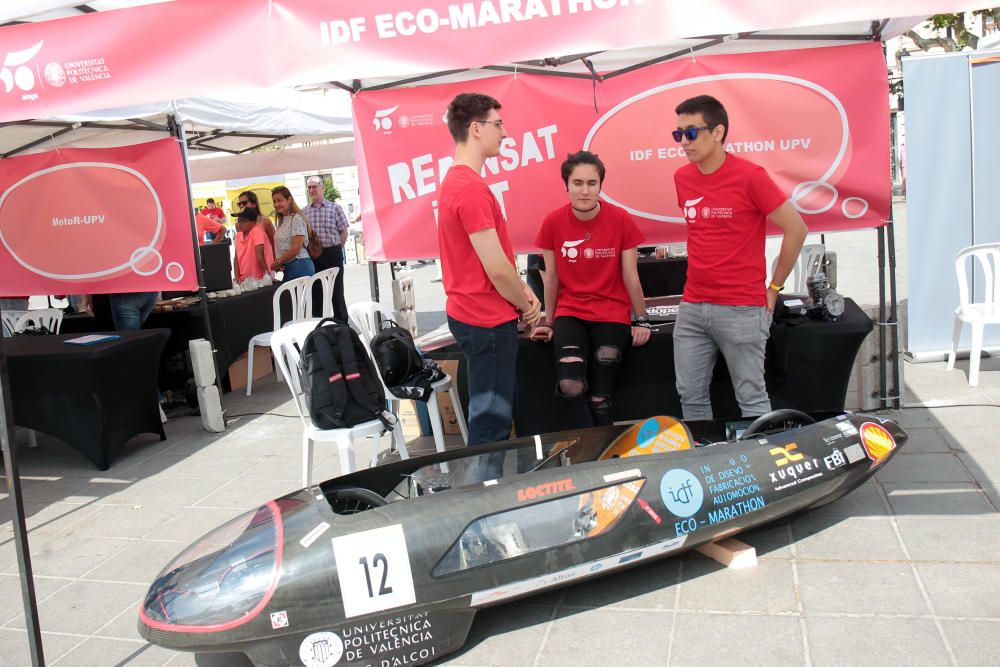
(808, 368)
(93, 397)
(235, 320)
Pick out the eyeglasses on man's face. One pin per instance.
(243, 202)
(690, 132)
(498, 123)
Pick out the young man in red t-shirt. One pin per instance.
(593, 297)
(728, 301)
(485, 293)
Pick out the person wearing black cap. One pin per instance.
(253, 251)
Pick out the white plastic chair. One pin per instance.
(50, 318)
(286, 344)
(300, 292)
(326, 278)
(810, 261)
(366, 317)
(979, 313)
(9, 321)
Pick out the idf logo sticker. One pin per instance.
(681, 492)
(877, 441)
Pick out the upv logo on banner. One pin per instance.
(385, 121)
(20, 70)
(15, 70)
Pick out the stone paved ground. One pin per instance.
(902, 571)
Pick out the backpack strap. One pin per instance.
(336, 375)
(352, 375)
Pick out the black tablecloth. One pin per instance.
(809, 366)
(235, 320)
(662, 277)
(94, 397)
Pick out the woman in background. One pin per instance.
(248, 198)
(290, 237)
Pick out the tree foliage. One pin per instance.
(952, 32)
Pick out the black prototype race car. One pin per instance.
(387, 566)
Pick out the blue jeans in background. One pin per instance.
(298, 268)
(129, 311)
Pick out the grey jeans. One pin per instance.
(703, 330)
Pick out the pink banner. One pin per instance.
(93, 221)
(158, 52)
(816, 119)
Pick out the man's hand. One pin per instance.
(640, 336)
(772, 299)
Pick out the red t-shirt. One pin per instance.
(726, 213)
(215, 212)
(588, 261)
(206, 224)
(466, 206)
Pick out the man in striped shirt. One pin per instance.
(330, 224)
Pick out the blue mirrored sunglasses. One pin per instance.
(690, 132)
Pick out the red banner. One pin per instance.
(816, 119)
(159, 51)
(93, 221)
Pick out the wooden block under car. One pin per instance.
(730, 552)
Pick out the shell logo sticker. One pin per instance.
(877, 442)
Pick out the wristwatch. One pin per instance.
(641, 321)
(776, 287)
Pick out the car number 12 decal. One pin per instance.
(374, 570)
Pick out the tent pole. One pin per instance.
(882, 346)
(176, 130)
(373, 280)
(893, 323)
(20, 526)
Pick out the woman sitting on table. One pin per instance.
(248, 199)
(254, 256)
(290, 236)
(591, 285)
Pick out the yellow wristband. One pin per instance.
(776, 288)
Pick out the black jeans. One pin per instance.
(330, 257)
(594, 353)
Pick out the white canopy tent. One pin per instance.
(235, 125)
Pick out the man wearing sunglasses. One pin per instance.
(485, 293)
(728, 297)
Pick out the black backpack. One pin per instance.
(338, 379)
(405, 372)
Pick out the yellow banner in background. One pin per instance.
(263, 192)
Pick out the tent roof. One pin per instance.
(611, 63)
(234, 125)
